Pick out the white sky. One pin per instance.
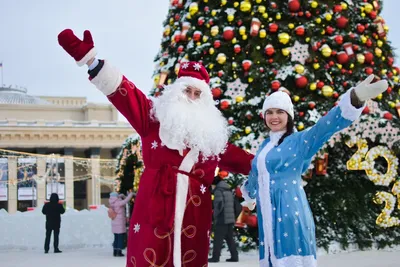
(127, 32)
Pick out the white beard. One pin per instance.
(190, 124)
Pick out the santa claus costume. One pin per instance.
(184, 141)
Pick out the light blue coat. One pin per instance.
(285, 221)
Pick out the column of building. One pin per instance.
(93, 184)
(12, 185)
(69, 176)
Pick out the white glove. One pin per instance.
(367, 90)
(249, 204)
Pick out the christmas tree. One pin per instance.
(315, 51)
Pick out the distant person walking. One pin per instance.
(53, 211)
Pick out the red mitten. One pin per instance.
(81, 51)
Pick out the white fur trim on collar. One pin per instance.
(199, 84)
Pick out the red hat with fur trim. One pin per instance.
(195, 70)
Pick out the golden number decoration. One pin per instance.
(370, 155)
(384, 219)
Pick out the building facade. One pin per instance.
(40, 131)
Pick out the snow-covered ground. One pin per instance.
(101, 257)
(86, 238)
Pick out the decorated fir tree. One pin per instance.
(314, 51)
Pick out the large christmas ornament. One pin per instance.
(326, 50)
(245, 6)
(221, 58)
(327, 91)
(228, 33)
(341, 22)
(246, 64)
(342, 57)
(294, 5)
(216, 92)
(193, 8)
(301, 81)
(284, 38)
(269, 50)
(273, 27)
(214, 30)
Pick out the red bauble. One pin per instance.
(239, 22)
(301, 113)
(269, 50)
(301, 82)
(273, 27)
(320, 85)
(220, 73)
(180, 49)
(329, 30)
(360, 28)
(388, 116)
(368, 57)
(342, 57)
(200, 21)
(369, 42)
(197, 36)
(211, 22)
(273, 5)
(356, 47)
(216, 92)
(246, 64)
(308, 14)
(339, 39)
(311, 105)
(331, 63)
(177, 17)
(389, 90)
(223, 174)
(238, 192)
(341, 22)
(294, 5)
(252, 221)
(275, 85)
(237, 49)
(390, 61)
(217, 44)
(300, 30)
(230, 121)
(177, 38)
(365, 110)
(228, 34)
(337, 8)
(369, 70)
(335, 94)
(206, 9)
(224, 104)
(261, 69)
(372, 14)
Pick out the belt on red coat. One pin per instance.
(162, 201)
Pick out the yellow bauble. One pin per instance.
(368, 8)
(379, 43)
(308, 39)
(384, 71)
(193, 8)
(239, 99)
(198, 43)
(205, 1)
(221, 58)
(314, 4)
(299, 68)
(379, 97)
(234, 41)
(296, 98)
(223, 2)
(285, 51)
(265, 15)
(263, 33)
(213, 13)
(313, 86)
(300, 126)
(262, 9)
(339, 66)
(344, 5)
(244, 37)
(360, 58)
(316, 66)
(351, 66)
(258, 1)
(234, 65)
(363, 15)
(230, 17)
(396, 80)
(318, 20)
(211, 66)
(167, 30)
(326, 50)
(242, 30)
(236, 4)
(291, 25)
(322, 32)
(247, 130)
(211, 51)
(386, 28)
(243, 239)
(214, 30)
(278, 16)
(383, 58)
(378, 52)
(392, 104)
(284, 38)
(394, 71)
(169, 81)
(327, 91)
(328, 16)
(250, 79)
(245, 6)
(156, 78)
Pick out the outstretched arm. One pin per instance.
(236, 160)
(122, 93)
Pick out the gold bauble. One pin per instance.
(386, 28)
(234, 65)
(351, 66)
(230, 17)
(378, 52)
(379, 97)
(245, 6)
(299, 68)
(363, 39)
(211, 66)
(326, 50)
(344, 5)
(211, 51)
(250, 79)
(316, 66)
(368, 8)
(247, 130)
(265, 15)
(193, 8)
(239, 99)
(278, 16)
(396, 80)
(296, 98)
(318, 20)
(258, 1)
(360, 58)
(284, 38)
(285, 51)
(263, 33)
(262, 9)
(384, 71)
(234, 40)
(167, 30)
(291, 25)
(242, 30)
(340, 66)
(205, 1)
(213, 13)
(244, 37)
(223, 2)
(314, 4)
(313, 86)
(221, 58)
(214, 30)
(327, 91)
(235, 4)
(328, 16)
(300, 126)
(156, 78)
(379, 43)
(392, 104)
(308, 39)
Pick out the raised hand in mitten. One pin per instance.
(367, 90)
(81, 50)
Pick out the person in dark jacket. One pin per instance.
(53, 211)
(224, 220)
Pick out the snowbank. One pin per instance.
(26, 230)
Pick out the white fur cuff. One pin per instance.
(91, 54)
(349, 111)
(108, 79)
